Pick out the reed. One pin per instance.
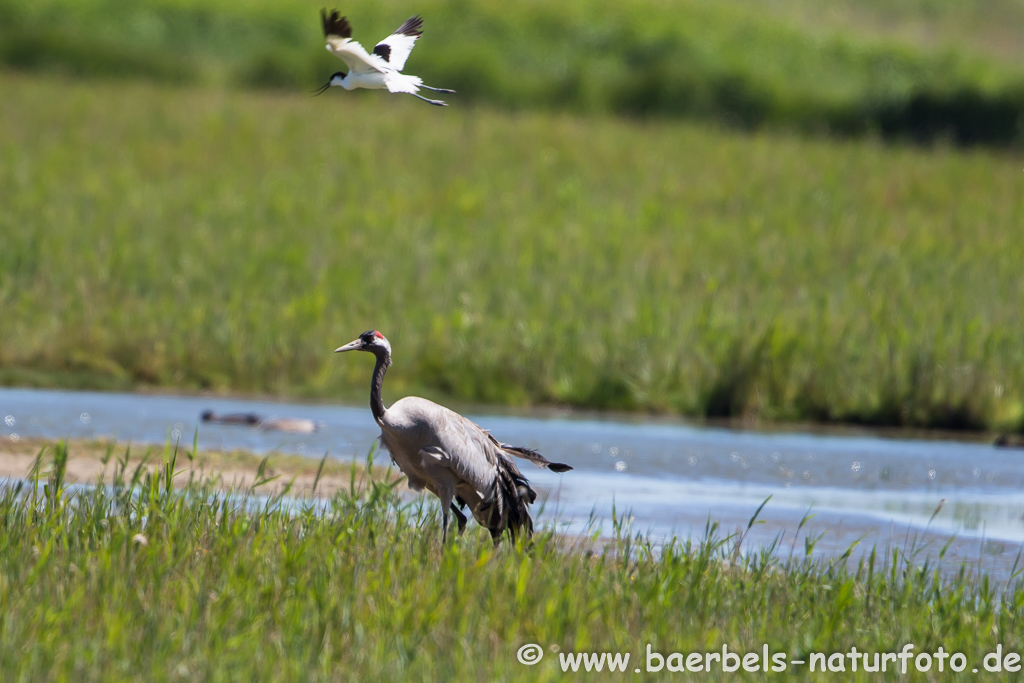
(224, 240)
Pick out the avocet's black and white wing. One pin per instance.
(338, 33)
(383, 68)
(395, 48)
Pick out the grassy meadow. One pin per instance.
(202, 238)
(711, 208)
(160, 577)
(978, 28)
(923, 69)
(90, 461)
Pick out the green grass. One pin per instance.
(988, 27)
(142, 580)
(208, 239)
(300, 474)
(790, 63)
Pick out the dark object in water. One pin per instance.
(294, 425)
(1009, 441)
(231, 419)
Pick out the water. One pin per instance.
(669, 477)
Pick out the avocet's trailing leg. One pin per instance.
(381, 69)
(441, 451)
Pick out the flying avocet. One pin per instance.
(379, 69)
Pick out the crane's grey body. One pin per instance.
(455, 459)
(438, 448)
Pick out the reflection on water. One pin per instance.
(671, 477)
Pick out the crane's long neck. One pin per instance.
(376, 403)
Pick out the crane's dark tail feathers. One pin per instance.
(534, 457)
(508, 505)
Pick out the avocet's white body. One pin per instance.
(381, 69)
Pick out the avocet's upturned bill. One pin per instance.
(379, 69)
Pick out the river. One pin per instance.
(668, 477)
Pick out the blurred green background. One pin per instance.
(918, 68)
(712, 208)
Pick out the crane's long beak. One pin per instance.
(322, 89)
(354, 345)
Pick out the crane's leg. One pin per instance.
(436, 466)
(446, 494)
(459, 517)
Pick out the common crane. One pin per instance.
(459, 462)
